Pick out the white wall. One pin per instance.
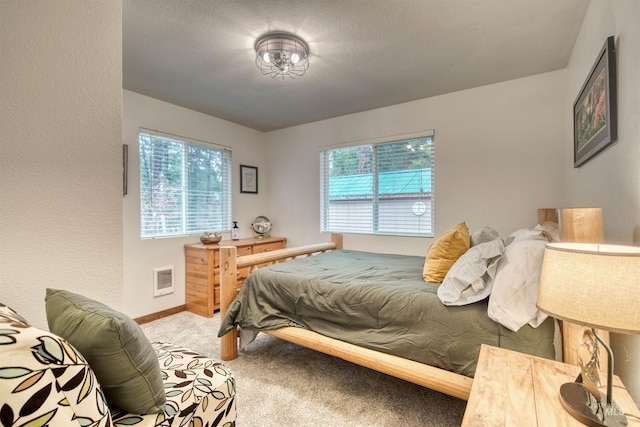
(60, 162)
(498, 150)
(612, 179)
(142, 256)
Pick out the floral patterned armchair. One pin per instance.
(44, 381)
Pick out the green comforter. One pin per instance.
(378, 301)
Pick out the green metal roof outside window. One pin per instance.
(412, 181)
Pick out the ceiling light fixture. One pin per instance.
(282, 54)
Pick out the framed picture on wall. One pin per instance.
(248, 179)
(595, 114)
(125, 168)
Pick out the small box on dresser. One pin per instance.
(202, 267)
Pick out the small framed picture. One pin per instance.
(248, 179)
(125, 168)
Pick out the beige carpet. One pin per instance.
(282, 384)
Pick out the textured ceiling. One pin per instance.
(365, 54)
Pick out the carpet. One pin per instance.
(283, 384)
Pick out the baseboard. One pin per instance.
(159, 315)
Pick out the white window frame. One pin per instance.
(178, 219)
(383, 211)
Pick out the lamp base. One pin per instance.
(583, 406)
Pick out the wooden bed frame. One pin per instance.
(438, 379)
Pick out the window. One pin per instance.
(185, 187)
(382, 188)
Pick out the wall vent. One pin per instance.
(162, 281)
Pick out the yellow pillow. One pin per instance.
(445, 251)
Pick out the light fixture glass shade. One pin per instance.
(591, 284)
(282, 54)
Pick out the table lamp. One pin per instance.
(598, 286)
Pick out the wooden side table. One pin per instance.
(516, 389)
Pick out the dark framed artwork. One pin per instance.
(125, 168)
(595, 114)
(248, 179)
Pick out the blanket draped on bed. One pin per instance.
(378, 301)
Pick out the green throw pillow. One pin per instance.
(115, 347)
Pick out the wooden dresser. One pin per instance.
(202, 268)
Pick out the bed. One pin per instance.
(417, 338)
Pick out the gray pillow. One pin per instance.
(470, 279)
(482, 235)
(117, 350)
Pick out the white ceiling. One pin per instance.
(365, 54)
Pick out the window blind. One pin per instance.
(185, 187)
(381, 188)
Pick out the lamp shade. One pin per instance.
(595, 285)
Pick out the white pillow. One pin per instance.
(550, 230)
(528, 233)
(515, 288)
(470, 279)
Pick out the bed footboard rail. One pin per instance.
(230, 263)
(438, 379)
(256, 261)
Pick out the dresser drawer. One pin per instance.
(266, 247)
